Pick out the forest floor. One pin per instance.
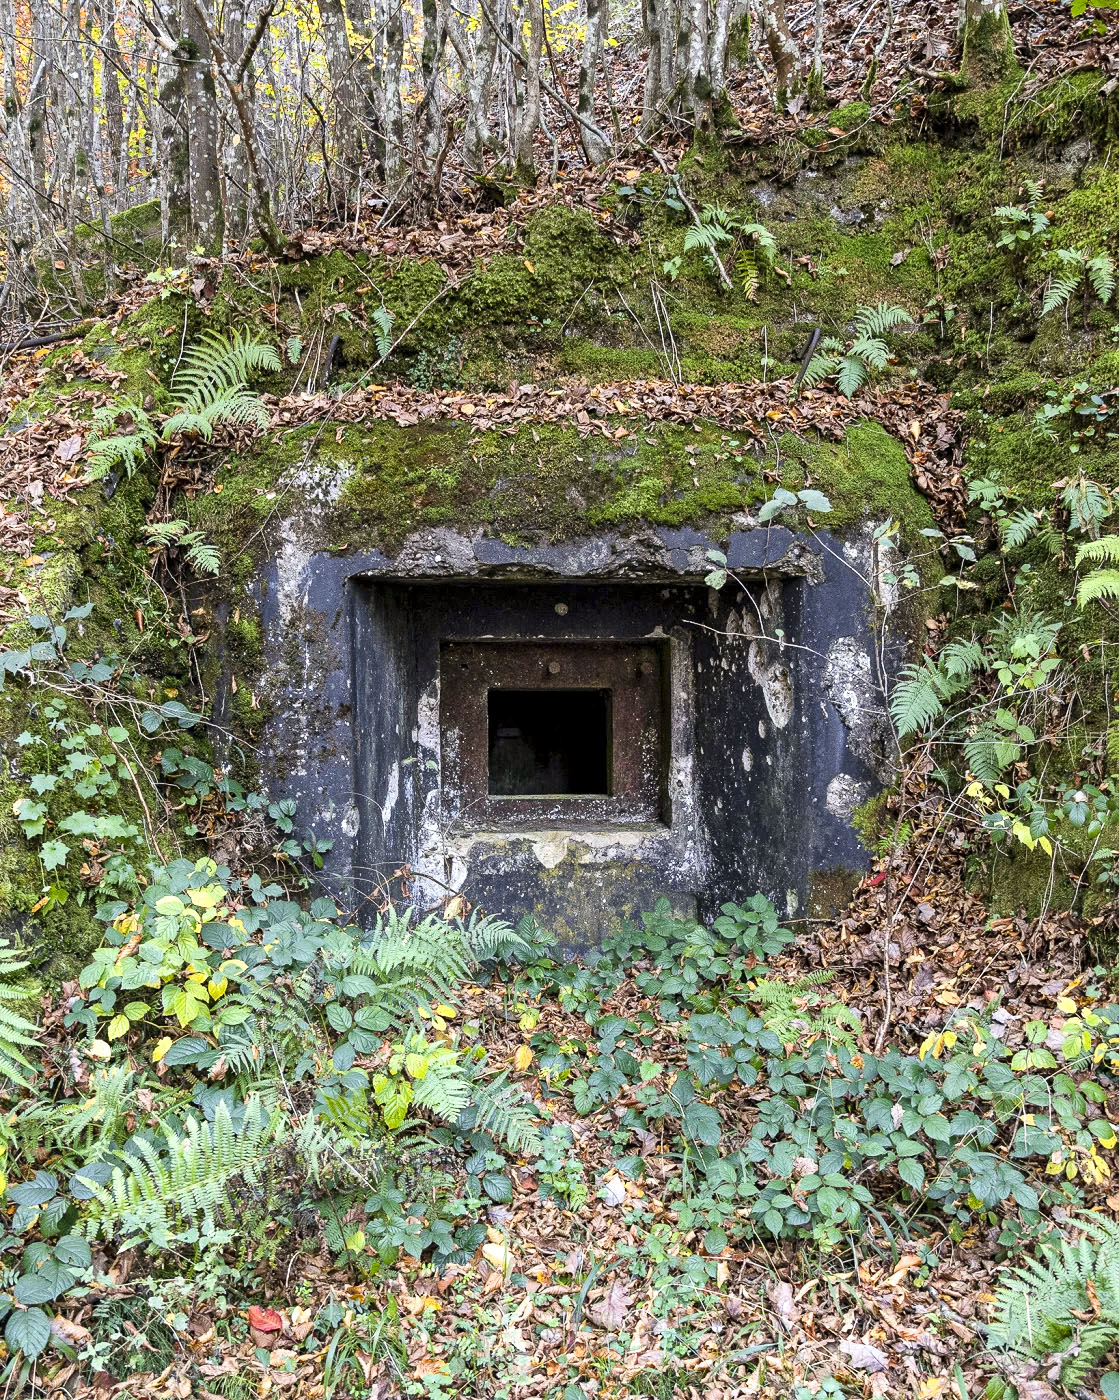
(605, 1274)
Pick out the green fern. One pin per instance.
(208, 389)
(1063, 1306)
(1016, 529)
(91, 1120)
(797, 1014)
(1095, 273)
(1100, 584)
(217, 365)
(109, 447)
(989, 752)
(155, 1196)
(17, 1033)
(383, 321)
(202, 556)
(413, 966)
(917, 699)
(506, 1112)
(875, 321)
(853, 363)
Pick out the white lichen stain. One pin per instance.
(844, 794)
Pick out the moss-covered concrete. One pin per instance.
(861, 214)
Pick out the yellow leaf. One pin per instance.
(529, 266)
(161, 1049)
(522, 1058)
(416, 1065)
(447, 1012)
(216, 986)
(498, 1257)
(1066, 1006)
(99, 1050)
(118, 1026)
(356, 1241)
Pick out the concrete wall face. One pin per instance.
(768, 724)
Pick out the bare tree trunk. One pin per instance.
(986, 42)
(653, 95)
(233, 70)
(344, 102)
(717, 48)
(477, 72)
(392, 112)
(782, 46)
(597, 21)
(698, 78)
(206, 214)
(524, 161)
(174, 141)
(102, 13)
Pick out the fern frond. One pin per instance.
(961, 659)
(202, 556)
(1059, 293)
(215, 364)
(795, 1012)
(17, 1032)
(873, 321)
(746, 265)
(383, 321)
(1105, 550)
(851, 377)
(111, 443)
(872, 351)
(764, 241)
(508, 1114)
(1101, 276)
(916, 701)
(1063, 1306)
(1100, 585)
(1020, 526)
(156, 1195)
(989, 753)
(819, 367)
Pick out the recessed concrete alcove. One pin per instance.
(573, 730)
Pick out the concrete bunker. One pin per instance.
(575, 730)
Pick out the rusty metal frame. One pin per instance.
(634, 672)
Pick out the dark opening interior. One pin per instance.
(549, 743)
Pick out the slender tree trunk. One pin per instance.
(206, 214)
(392, 118)
(782, 46)
(653, 95)
(477, 69)
(717, 48)
(698, 82)
(598, 12)
(524, 160)
(432, 130)
(174, 143)
(344, 102)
